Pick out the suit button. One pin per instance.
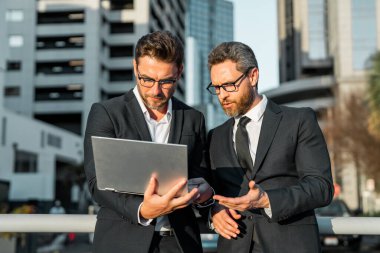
(250, 217)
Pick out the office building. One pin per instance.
(57, 58)
(325, 49)
(208, 23)
(62, 55)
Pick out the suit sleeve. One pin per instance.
(199, 168)
(99, 124)
(315, 187)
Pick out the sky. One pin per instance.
(255, 24)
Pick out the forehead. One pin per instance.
(154, 67)
(224, 72)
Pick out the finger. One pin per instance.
(151, 188)
(225, 221)
(178, 187)
(186, 199)
(222, 231)
(234, 201)
(252, 185)
(230, 224)
(226, 229)
(219, 197)
(223, 234)
(234, 214)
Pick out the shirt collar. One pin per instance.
(168, 114)
(257, 112)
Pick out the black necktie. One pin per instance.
(242, 145)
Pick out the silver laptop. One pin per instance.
(126, 166)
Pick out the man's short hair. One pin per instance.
(161, 45)
(234, 51)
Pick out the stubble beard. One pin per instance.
(242, 106)
(157, 105)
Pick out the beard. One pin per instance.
(155, 101)
(242, 105)
(160, 101)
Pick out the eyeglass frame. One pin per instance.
(228, 84)
(160, 83)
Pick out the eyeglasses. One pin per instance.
(229, 87)
(149, 82)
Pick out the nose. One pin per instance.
(156, 89)
(223, 94)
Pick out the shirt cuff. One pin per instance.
(209, 223)
(268, 211)
(142, 221)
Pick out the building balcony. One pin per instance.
(57, 107)
(59, 54)
(60, 29)
(51, 80)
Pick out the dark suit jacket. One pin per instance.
(292, 165)
(117, 228)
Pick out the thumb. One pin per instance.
(151, 188)
(252, 185)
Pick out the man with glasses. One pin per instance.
(149, 112)
(270, 163)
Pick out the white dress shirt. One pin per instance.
(159, 132)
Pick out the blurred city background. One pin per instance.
(57, 57)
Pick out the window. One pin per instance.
(60, 42)
(121, 75)
(25, 161)
(121, 28)
(60, 17)
(364, 35)
(121, 51)
(317, 30)
(54, 140)
(58, 68)
(16, 41)
(70, 92)
(121, 4)
(71, 121)
(13, 65)
(4, 131)
(12, 91)
(14, 16)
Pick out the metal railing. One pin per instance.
(86, 224)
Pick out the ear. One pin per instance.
(253, 76)
(180, 69)
(134, 67)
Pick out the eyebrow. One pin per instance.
(148, 77)
(229, 82)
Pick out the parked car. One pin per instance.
(338, 208)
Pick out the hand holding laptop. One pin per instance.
(155, 205)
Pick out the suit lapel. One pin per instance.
(136, 116)
(176, 123)
(271, 120)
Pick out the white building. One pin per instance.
(62, 55)
(57, 58)
(32, 153)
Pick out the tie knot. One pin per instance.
(244, 121)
